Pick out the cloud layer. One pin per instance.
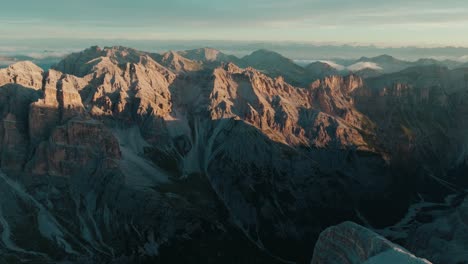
(365, 21)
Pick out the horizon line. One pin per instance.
(304, 42)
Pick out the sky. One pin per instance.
(357, 22)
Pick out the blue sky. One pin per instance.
(387, 23)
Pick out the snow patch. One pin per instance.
(334, 65)
(364, 65)
(395, 255)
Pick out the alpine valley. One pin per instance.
(115, 155)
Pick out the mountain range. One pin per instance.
(42, 61)
(115, 155)
(275, 64)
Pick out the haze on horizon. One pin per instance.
(387, 23)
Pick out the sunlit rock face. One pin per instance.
(23, 73)
(127, 156)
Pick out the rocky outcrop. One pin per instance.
(82, 63)
(209, 56)
(124, 83)
(61, 102)
(77, 145)
(179, 64)
(23, 73)
(333, 96)
(285, 113)
(319, 70)
(275, 65)
(14, 132)
(19, 84)
(38, 110)
(354, 244)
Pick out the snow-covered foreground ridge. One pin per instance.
(352, 243)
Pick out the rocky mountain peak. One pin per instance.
(264, 55)
(231, 67)
(319, 64)
(202, 54)
(82, 63)
(265, 52)
(275, 64)
(346, 84)
(209, 56)
(171, 55)
(176, 62)
(380, 59)
(23, 73)
(25, 66)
